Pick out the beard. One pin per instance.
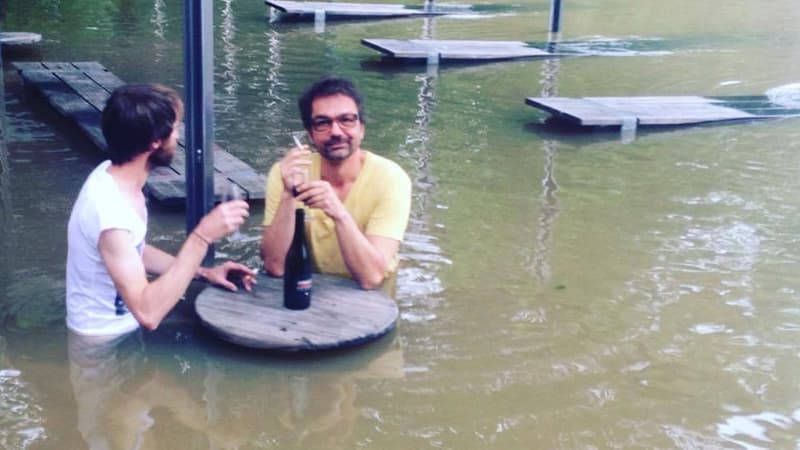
(340, 154)
(161, 157)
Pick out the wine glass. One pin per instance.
(233, 192)
(300, 139)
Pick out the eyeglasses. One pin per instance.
(323, 124)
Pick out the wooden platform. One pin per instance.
(341, 315)
(19, 38)
(79, 91)
(456, 49)
(352, 10)
(658, 111)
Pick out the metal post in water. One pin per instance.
(555, 16)
(198, 62)
(319, 20)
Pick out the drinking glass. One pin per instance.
(300, 139)
(232, 192)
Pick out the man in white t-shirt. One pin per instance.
(108, 291)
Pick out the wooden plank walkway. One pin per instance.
(19, 38)
(341, 315)
(457, 50)
(78, 91)
(658, 111)
(354, 10)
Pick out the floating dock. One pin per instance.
(79, 90)
(19, 38)
(658, 111)
(456, 50)
(356, 10)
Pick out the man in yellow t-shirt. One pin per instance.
(358, 202)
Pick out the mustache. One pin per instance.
(334, 140)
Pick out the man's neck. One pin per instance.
(132, 175)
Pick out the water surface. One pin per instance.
(558, 289)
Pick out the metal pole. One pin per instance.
(555, 16)
(198, 61)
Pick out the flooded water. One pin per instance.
(558, 289)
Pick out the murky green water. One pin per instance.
(557, 289)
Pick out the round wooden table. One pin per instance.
(341, 315)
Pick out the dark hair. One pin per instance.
(328, 86)
(135, 115)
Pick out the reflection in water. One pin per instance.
(287, 402)
(5, 170)
(230, 75)
(117, 392)
(418, 276)
(159, 20)
(21, 423)
(122, 391)
(751, 431)
(540, 265)
(274, 83)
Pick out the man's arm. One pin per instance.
(367, 257)
(157, 261)
(277, 235)
(149, 302)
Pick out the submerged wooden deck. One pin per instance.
(457, 50)
(79, 90)
(19, 38)
(351, 10)
(658, 111)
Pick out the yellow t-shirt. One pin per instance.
(379, 201)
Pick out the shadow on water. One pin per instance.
(561, 130)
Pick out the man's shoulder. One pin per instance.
(385, 166)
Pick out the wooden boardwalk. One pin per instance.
(352, 10)
(456, 50)
(79, 91)
(658, 111)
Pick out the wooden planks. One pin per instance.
(79, 90)
(341, 315)
(345, 10)
(658, 110)
(456, 49)
(19, 38)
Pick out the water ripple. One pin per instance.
(21, 423)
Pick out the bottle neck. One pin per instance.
(299, 222)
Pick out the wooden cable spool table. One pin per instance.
(341, 315)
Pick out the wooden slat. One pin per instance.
(90, 91)
(55, 65)
(341, 315)
(27, 65)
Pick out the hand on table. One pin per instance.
(221, 275)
